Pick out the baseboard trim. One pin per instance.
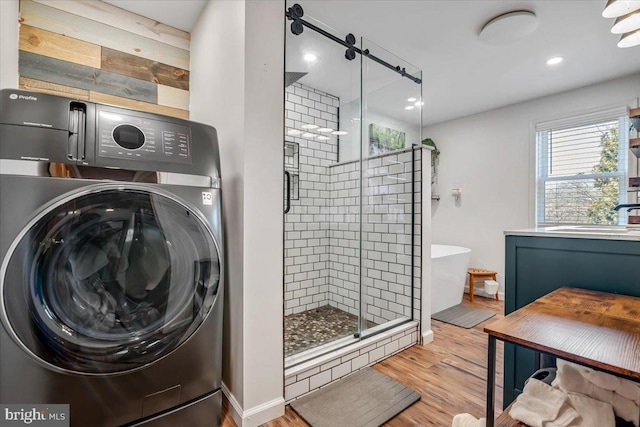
(263, 413)
(255, 416)
(427, 337)
(234, 407)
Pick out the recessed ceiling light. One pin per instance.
(310, 57)
(418, 104)
(627, 23)
(508, 28)
(339, 132)
(294, 132)
(555, 60)
(325, 130)
(409, 107)
(411, 99)
(630, 39)
(323, 138)
(308, 135)
(615, 8)
(309, 127)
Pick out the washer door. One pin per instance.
(109, 279)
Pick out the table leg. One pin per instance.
(537, 363)
(491, 380)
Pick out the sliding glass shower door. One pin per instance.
(391, 185)
(349, 189)
(321, 281)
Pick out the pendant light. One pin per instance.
(630, 39)
(616, 8)
(627, 23)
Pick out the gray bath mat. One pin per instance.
(366, 398)
(463, 316)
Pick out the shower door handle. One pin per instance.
(288, 199)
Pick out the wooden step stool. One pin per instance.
(479, 274)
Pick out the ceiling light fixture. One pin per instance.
(616, 8)
(555, 60)
(630, 39)
(411, 99)
(339, 132)
(627, 23)
(294, 132)
(310, 57)
(508, 28)
(419, 104)
(309, 126)
(308, 135)
(323, 138)
(325, 130)
(409, 107)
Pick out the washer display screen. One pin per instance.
(125, 136)
(129, 137)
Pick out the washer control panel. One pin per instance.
(125, 136)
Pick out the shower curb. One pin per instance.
(309, 376)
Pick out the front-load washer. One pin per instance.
(111, 274)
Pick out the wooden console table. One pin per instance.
(595, 329)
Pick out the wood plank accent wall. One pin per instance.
(91, 50)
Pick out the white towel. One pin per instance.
(540, 405)
(467, 420)
(629, 390)
(625, 388)
(601, 379)
(573, 378)
(593, 413)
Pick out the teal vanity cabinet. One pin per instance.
(537, 265)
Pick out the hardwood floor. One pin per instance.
(450, 375)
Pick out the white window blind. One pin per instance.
(582, 169)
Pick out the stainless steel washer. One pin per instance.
(111, 274)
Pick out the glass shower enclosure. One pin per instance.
(352, 187)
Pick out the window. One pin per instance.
(582, 169)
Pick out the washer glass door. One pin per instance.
(109, 279)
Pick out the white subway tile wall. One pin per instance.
(322, 237)
(387, 239)
(322, 229)
(307, 223)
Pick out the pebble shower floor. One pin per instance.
(317, 326)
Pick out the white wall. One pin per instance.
(9, 30)
(489, 156)
(425, 290)
(237, 68)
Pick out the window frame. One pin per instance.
(540, 168)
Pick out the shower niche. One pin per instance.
(353, 230)
(292, 170)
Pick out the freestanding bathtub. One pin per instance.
(448, 274)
